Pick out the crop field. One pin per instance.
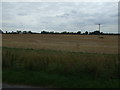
(61, 61)
(74, 43)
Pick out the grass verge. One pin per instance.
(50, 80)
(51, 68)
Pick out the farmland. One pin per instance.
(60, 60)
(74, 43)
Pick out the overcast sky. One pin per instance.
(60, 16)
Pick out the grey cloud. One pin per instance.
(22, 14)
(59, 16)
(65, 15)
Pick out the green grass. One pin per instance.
(52, 68)
(50, 80)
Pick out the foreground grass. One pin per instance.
(50, 80)
(52, 68)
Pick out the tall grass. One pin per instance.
(74, 63)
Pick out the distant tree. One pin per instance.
(30, 32)
(86, 33)
(97, 32)
(79, 32)
(71, 32)
(24, 32)
(18, 32)
(12, 32)
(101, 33)
(44, 32)
(64, 32)
(52, 32)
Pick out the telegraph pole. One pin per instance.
(99, 30)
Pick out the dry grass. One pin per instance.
(62, 62)
(76, 43)
(76, 55)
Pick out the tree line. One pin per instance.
(64, 32)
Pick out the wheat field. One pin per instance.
(76, 43)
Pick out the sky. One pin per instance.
(59, 16)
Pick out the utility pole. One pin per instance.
(99, 30)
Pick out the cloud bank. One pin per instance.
(60, 16)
